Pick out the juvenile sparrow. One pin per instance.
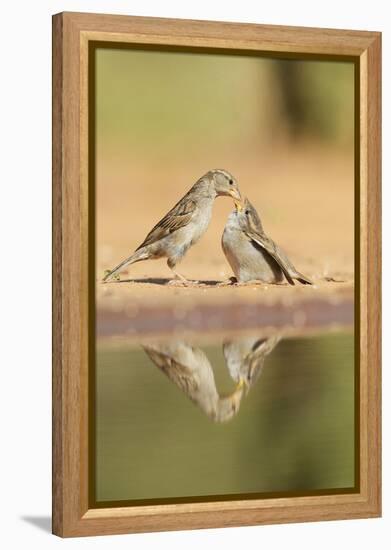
(184, 224)
(189, 368)
(245, 357)
(252, 255)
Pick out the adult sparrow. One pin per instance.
(184, 224)
(189, 368)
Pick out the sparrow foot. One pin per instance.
(254, 282)
(183, 283)
(228, 282)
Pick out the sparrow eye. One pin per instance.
(231, 182)
(247, 212)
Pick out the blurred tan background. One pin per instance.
(284, 128)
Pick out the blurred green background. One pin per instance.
(294, 430)
(166, 99)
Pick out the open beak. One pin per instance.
(238, 206)
(241, 384)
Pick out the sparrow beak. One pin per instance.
(235, 195)
(241, 384)
(238, 206)
(238, 389)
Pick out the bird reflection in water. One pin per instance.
(245, 357)
(189, 368)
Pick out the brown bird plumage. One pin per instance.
(184, 224)
(189, 368)
(253, 255)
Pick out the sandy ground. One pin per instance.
(305, 198)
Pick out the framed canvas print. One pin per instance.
(216, 274)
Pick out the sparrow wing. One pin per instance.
(177, 217)
(179, 373)
(255, 359)
(262, 240)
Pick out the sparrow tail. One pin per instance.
(303, 280)
(135, 257)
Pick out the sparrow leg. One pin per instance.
(179, 279)
(182, 281)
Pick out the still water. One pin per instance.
(237, 414)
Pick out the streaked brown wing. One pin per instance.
(255, 359)
(177, 217)
(180, 374)
(271, 248)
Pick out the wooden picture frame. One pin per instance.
(72, 35)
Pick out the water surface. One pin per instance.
(241, 414)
